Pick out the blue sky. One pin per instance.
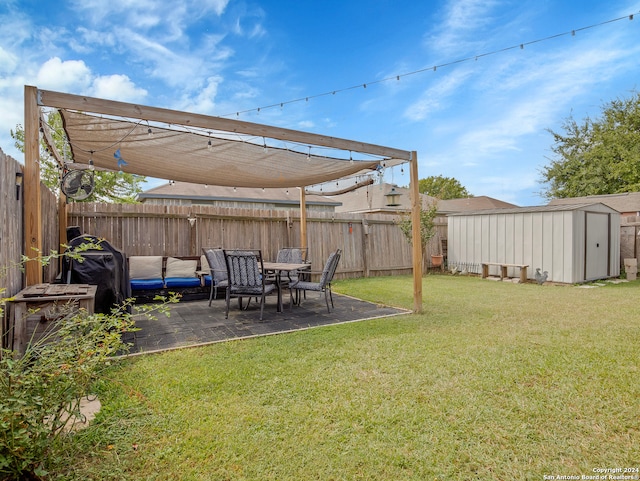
(482, 121)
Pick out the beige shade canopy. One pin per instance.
(115, 135)
(190, 155)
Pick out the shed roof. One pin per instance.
(535, 208)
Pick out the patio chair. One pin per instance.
(244, 269)
(292, 255)
(219, 278)
(324, 284)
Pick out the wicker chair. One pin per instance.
(244, 271)
(324, 284)
(219, 278)
(292, 255)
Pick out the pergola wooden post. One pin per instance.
(35, 97)
(416, 242)
(303, 218)
(31, 184)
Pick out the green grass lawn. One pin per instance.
(493, 381)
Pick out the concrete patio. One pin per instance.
(193, 323)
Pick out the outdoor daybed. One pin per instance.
(151, 276)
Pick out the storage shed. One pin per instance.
(573, 243)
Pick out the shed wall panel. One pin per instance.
(552, 240)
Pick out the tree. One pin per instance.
(116, 187)
(599, 156)
(427, 225)
(442, 187)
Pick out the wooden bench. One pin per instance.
(503, 269)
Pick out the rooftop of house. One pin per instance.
(374, 198)
(628, 202)
(469, 204)
(211, 193)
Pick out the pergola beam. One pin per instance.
(155, 114)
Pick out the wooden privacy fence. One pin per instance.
(372, 244)
(12, 226)
(629, 238)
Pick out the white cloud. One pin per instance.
(306, 124)
(460, 19)
(117, 87)
(436, 97)
(67, 76)
(8, 61)
(205, 100)
(144, 15)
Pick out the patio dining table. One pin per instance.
(278, 268)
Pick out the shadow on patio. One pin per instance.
(193, 323)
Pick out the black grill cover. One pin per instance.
(104, 268)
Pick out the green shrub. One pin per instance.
(40, 391)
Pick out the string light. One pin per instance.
(209, 144)
(434, 67)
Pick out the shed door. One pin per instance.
(597, 246)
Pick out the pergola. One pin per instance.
(196, 148)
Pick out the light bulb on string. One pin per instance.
(209, 143)
(264, 144)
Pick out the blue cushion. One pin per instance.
(182, 282)
(138, 284)
(207, 280)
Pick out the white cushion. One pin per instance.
(204, 265)
(145, 267)
(180, 268)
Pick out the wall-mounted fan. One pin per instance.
(77, 184)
